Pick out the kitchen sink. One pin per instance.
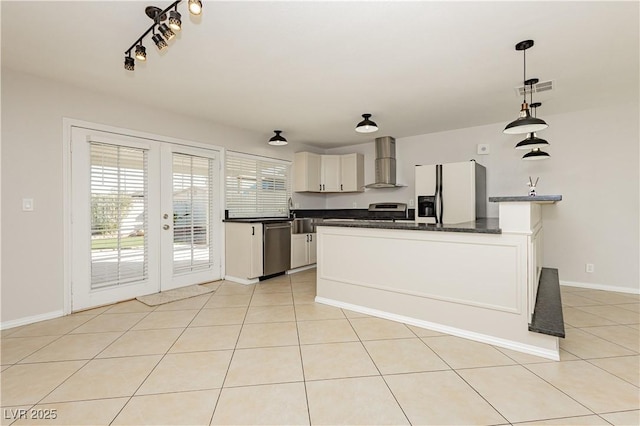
(303, 226)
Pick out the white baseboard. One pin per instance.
(300, 269)
(465, 334)
(601, 287)
(30, 320)
(241, 280)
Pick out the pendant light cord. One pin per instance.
(524, 74)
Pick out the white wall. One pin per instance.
(594, 166)
(32, 153)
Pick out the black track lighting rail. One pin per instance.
(156, 22)
(165, 34)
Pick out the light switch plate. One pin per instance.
(483, 148)
(27, 204)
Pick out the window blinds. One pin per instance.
(119, 201)
(256, 186)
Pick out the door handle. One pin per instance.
(320, 187)
(341, 187)
(310, 238)
(253, 230)
(166, 227)
(307, 237)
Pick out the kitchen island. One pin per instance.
(474, 280)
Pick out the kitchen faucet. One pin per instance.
(290, 207)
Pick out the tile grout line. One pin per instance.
(233, 352)
(378, 369)
(161, 358)
(304, 377)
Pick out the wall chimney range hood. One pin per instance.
(385, 163)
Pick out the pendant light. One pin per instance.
(366, 125)
(532, 141)
(525, 123)
(278, 140)
(536, 154)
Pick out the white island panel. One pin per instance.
(470, 285)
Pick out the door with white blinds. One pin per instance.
(191, 217)
(132, 215)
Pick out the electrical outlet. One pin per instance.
(411, 202)
(589, 268)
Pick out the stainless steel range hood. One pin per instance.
(385, 163)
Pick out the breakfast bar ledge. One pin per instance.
(477, 285)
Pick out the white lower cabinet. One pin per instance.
(243, 253)
(303, 250)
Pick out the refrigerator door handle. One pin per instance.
(438, 195)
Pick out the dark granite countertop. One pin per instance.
(480, 226)
(526, 198)
(258, 219)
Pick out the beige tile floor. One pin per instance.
(267, 354)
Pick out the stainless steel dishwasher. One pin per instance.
(276, 247)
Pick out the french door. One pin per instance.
(145, 217)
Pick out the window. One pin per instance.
(257, 186)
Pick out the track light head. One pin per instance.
(159, 41)
(129, 63)
(195, 7)
(175, 20)
(141, 53)
(166, 31)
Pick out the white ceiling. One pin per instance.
(312, 68)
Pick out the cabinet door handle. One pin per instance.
(323, 186)
(341, 187)
(253, 230)
(319, 187)
(310, 237)
(307, 237)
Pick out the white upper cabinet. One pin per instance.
(352, 173)
(328, 173)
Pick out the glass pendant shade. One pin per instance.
(532, 141)
(535, 154)
(278, 140)
(141, 53)
(159, 41)
(129, 63)
(366, 125)
(175, 20)
(195, 7)
(525, 123)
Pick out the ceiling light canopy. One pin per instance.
(525, 123)
(366, 125)
(167, 30)
(278, 139)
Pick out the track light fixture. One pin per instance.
(129, 63)
(175, 20)
(159, 41)
(195, 7)
(141, 53)
(525, 123)
(278, 140)
(366, 125)
(167, 30)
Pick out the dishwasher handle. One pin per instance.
(277, 225)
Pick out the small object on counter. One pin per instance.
(532, 186)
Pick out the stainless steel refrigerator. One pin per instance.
(451, 193)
